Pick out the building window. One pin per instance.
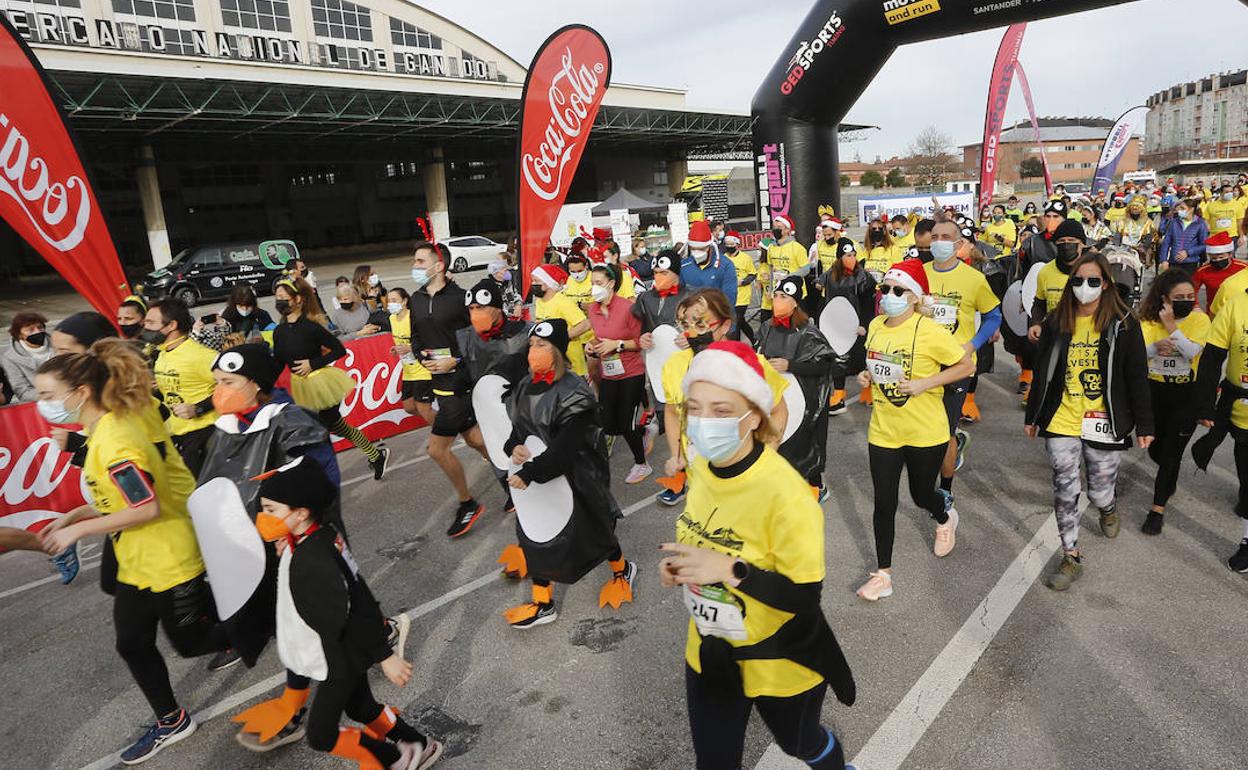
(266, 15)
(411, 36)
(180, 10)
(1069, 148)
(341, 20)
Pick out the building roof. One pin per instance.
(1056, 130)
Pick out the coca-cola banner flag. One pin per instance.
(45, 194)
(1117, 140)
(994, 115)
(562, 92)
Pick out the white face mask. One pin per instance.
(599, 293)
(394, 307)
(244, 311)
(578, 276)
(1086, 293)
(374, 279)
(699, 255)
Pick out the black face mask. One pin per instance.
(925, 255)
(283, 306)
(701, 341)
(730, 249)
(130, 331)
(777, 232)
(830, 240)
(1183, 307)
(876, 235)
(1220, 264)
(1067, 252)
(153, 337)
(346, 305)
(38, 339)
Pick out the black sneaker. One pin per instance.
(293, 732)
(546, 613)
(840, 407)
(379, 465)
(163, 733)
(465, 516)
(224, 659)
(1239, 562)
(509, 506)
(1153, 523)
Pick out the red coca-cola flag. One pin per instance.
(562, 92)
(994, 115)
(45, 194)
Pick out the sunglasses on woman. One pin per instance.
(900, 291)
(1094, 281)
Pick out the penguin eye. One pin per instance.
(230, 362)
(483, 297)
(543, 330)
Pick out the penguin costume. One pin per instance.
(561, 481)
(330, 627)
(793, 337)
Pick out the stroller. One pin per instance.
(1127, 270)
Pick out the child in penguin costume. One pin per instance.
(330, 628)
(561, 481)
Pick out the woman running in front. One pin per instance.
(749, 556)
(1175, 331)
(304, 343)
(1096, 395)
(910, 360)
(138, 492)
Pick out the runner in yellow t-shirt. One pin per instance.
(1001, 231)
(1224, 214)
(183, 371)
(577, 288)
(417, 380)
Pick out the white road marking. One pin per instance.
(83, 566)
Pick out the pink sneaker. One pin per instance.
(878, 586)
(417, 757)
(638, 474)
(946, 535)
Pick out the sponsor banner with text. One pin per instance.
(892, 205)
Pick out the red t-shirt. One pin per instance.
(1212, 279)
(618, 323)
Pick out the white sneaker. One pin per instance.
(651, 433)
(946, 534)
(638, 474)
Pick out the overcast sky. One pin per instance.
(1095, 63)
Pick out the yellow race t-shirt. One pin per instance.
(1050, 283)
(788, 257)
(627, 289)
(1003, 235)
(903, 242)
(1231, 288)
(561, 306)
(161, 553)
(958, 295)
(677, 365)
(1223, 216)
(880, 259)
(916, 348)
(744, 264)
(1082, 391)
(765, 285)
(1230, 331)
(580, 292)
(401, 331)
(767, 517)
(184, 376)
(1176, 369)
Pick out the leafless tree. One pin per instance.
(931, 158)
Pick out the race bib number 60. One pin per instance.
(1096, 427)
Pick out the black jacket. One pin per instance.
(1124, 370)
(435, 319)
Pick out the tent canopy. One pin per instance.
(623, 199)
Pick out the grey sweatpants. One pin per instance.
(1102, 471)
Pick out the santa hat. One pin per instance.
(602, 233)
(732, 238)
(833, 223)
(781, 220)
(699, 235)
(551, 275)
(909, 274)
(1219, 243)
(732, 365)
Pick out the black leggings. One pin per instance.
(922, 466)
(718, 725)
(1175, 422)
(353, 696)
(190, 621)
(744, 326)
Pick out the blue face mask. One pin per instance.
(942, 250)
(715, 438)
(57, 413)
(420, 275)
(892, 305)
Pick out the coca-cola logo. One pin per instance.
(46, 202)
(570, 97)
(805, 54)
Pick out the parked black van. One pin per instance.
(210, 272)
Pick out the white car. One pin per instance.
(470, 251)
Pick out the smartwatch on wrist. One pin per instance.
(740, 569)
(619, 346)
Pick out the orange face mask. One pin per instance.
(664, 280)
(227, 400)
(541, 361)
(271, 528)
(849, 262)
(482, 319)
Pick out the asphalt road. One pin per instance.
(971, 664)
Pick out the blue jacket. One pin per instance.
(1178, 238)
(718, 273)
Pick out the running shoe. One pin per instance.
(946, 534)
(531, 614)
(417, 756)
(878, 586)
(964, 440)
(652, 433)
(668, 497)
(510, 505)
(824, 492)
(465, 516)
(638, 474)
(162, 734)
(619, 588)
(397, 628)
(67, 564)
(1239, 562)
(1153, 523)
(224, 659)
(839, 408)
(1067, 572)
(379, 465)
(1109, 523)
(947, 496)
(293, 732)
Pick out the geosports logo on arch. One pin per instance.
(899, 11)
(805, 54)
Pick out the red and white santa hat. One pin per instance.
(699, 235)
(551, 275)
(732, 365)
(781, 219)
(1219, 243)
(833, 223)
(732, 238)
(910, 274)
